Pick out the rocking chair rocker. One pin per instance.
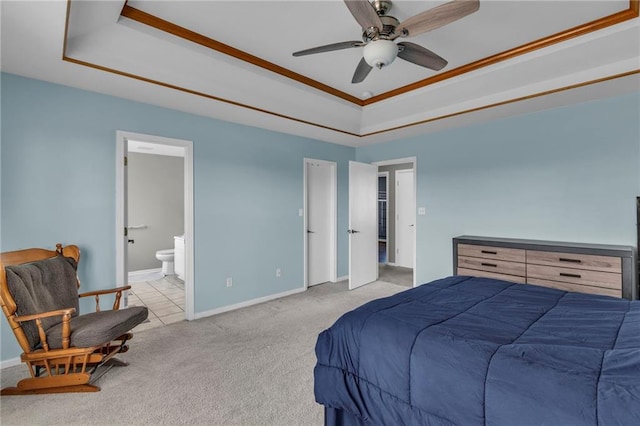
(62, 349)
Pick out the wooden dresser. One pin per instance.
(588, 268)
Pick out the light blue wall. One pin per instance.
(567, 174)
(58, 185)
(564, 174)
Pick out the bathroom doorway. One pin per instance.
(155, 213)
(155, 250)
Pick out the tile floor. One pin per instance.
(164, 297)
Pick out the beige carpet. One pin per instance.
(253, 366)
(396, 275)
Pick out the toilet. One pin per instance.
(166, 257)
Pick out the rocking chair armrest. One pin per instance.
(59, 312)
(107, 291)
(66, 325)
(97, 293)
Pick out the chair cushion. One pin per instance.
(42, 286)
(98, 328)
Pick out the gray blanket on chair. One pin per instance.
(42, 286)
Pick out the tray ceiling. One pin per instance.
(232, 60)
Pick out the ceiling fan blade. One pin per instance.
(420, 56)
(364, 13)
(437, 17)
(362, 71)
(329, 48)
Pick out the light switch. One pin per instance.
(300, 212)
(422, 211)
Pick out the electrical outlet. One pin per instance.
(229, 282)
(278, 272)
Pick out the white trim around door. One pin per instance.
(121, 273)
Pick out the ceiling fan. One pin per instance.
(379, 31)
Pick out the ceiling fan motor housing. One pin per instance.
(380, 50)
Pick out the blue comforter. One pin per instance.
(473, 351)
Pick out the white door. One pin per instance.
(405, 218)
(319, 214)
(363, 230)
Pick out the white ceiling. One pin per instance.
(109, 53)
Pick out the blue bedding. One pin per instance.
(473, 351)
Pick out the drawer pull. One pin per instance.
(565, 259)
(564, 274)
(488, 252)
(493, 265)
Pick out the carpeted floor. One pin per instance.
(395, 275)
(253, 366)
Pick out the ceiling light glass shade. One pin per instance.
(380, 53)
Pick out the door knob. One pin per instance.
(310, 232)
(130, 241)
(352, 231)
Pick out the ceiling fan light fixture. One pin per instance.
(380, 53)
(379, 30)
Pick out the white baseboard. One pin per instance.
(216, 311)
(10, 363)
(144, 272)
(144, 275)
(342, 278)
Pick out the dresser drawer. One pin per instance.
(485, 274)
(576, 287)
(575, 261)
(574, 276)
(488, 252)
(492, 265)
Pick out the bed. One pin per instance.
(470, 351)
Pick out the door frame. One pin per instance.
(333, 220)
(121, 273)
(414, 161)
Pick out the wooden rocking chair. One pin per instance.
(62, 349)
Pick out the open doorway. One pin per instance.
(155, 255)
(383, 217)
(155, 211)
(399, 244)
(364, 225)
